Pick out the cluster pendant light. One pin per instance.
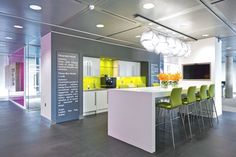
(168, 46)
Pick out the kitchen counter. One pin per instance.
(132, 115)
(95, 89)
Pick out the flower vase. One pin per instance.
(174, 83)
(164, 84)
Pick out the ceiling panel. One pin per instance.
(53, 11)
(227, 7)
(162, 7)
(88, 21)
(132, 35)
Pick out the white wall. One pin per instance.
(234, 75)
(46, 76)
(203, 51)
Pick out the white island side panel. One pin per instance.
(131, 118)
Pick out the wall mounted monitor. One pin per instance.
(196, 71)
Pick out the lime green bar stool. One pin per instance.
(190, 101)
(211, 95)
(202, 99)
(174, 103)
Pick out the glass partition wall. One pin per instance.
(32, 77)
(20, 77)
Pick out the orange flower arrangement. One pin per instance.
(163, 77)
(167, 78)
(175, 77)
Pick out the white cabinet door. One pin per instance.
(89, 103)
(128, 68)
(91, 66)
(95, 66)
(137, 69)
(101, 100)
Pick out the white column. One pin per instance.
(229, 76)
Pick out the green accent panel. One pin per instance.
(106, 67)
(126, 82)
(156, 84)
(91, 83)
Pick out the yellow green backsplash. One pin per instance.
(91, 83)
(106, 67)
(129, 82)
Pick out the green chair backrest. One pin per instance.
(203, 92)
(191, 94)
(211, 91)
(175, 97)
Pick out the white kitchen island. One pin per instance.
(131, 115)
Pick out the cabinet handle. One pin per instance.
(95, 98)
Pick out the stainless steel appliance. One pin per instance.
(108, 82)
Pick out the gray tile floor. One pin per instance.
(23, 134)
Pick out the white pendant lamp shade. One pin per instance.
(166, 45)
(149, 40)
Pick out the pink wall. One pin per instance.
(18, 57)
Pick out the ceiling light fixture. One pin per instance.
(91, 7)
(99, 25)
(205, 35)
(155, 42)
(35, 7)
(138, 36)
(18, 26)
(228, 48)
(148, 6)
(9, 38)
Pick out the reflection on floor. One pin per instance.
(24, 134)
(229, 105)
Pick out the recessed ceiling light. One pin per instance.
(8, 38)
(35, 7)
(150, 24)
(138, 36)
(99, 25)
(18, 26)
(228, 48)
(91, 7)
(148, 6)
(205, 35)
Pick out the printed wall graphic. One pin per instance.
(67, 87)
(154, 72)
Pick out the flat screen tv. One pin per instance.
(197, 71)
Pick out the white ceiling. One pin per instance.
(74, 17)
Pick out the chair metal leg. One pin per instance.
(189, 123)
(182, 120)
(214, 106)
(196, 115)
(172, 129)
(201, 114)
(208, 113)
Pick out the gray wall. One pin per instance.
(94, 49)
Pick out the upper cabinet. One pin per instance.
(125, 68)
(91, 66)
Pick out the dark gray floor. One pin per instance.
(23, 134)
